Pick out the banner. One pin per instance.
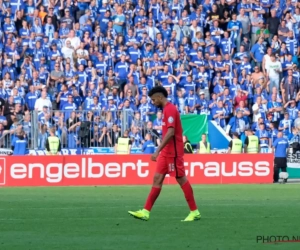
(194, 126)
(293, 163)
(130, 170)
(85, 151)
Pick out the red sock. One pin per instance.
(189, 195)
(154, 193)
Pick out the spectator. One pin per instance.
(272, 24)
(237, 125)
(257, 52)
(188, 149)
(107, 57)
(219, 114)
(20, 144)
(285, 125)
(31, 98)
(259, 110)
(42, 137)
(274, 108)
(155, 135)
(114, 134)
(297, 121)
(124, 144)
(274, 70)
(157, 124)
(280, 147)
(245, 22)
(255, 22)
(235, 145)
(105, 139)
(204, 145)
(251, 144)
(53, 145)
(148, 146)
(72, 125)
(135, 137)
(263, 137)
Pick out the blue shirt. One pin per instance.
(67, 109)
(258, 51)
(234, 24)
(20, 146)
(122, 68)
(148, 147)
(286, 123)
(119, 19)
(281, 145)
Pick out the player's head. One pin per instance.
(158, 96)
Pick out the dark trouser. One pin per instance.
(279, 163)
(258, 64)
(270, 38)
(79, 13)
(122, 83)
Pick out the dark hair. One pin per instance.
(158, 89)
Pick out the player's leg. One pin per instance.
(155, 191)
(158, 180)
(187, 189)
(190, 199)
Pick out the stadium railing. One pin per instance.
(88, 132)
(7, 135)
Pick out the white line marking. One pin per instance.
(126, 217)
(120, 207)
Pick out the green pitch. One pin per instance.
(86, 218)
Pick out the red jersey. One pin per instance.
(171, 119)
(238, 99)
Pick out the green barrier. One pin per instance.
(194, 126)
(293, 163)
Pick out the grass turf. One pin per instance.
(86, 218)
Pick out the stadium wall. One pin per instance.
(97, 170)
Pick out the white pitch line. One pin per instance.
(127, 216)
(120, 207)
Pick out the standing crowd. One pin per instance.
(72, 61)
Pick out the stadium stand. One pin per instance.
(67, 62)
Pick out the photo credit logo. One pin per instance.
(272, 239)
(2, 171)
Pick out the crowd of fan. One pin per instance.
(236, 61)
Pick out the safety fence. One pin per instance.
(81, 128)
(96, 128)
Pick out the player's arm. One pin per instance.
(170, 134)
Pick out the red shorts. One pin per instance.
(174, 166)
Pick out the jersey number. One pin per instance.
(171, 167)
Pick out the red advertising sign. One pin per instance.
(88, 170)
